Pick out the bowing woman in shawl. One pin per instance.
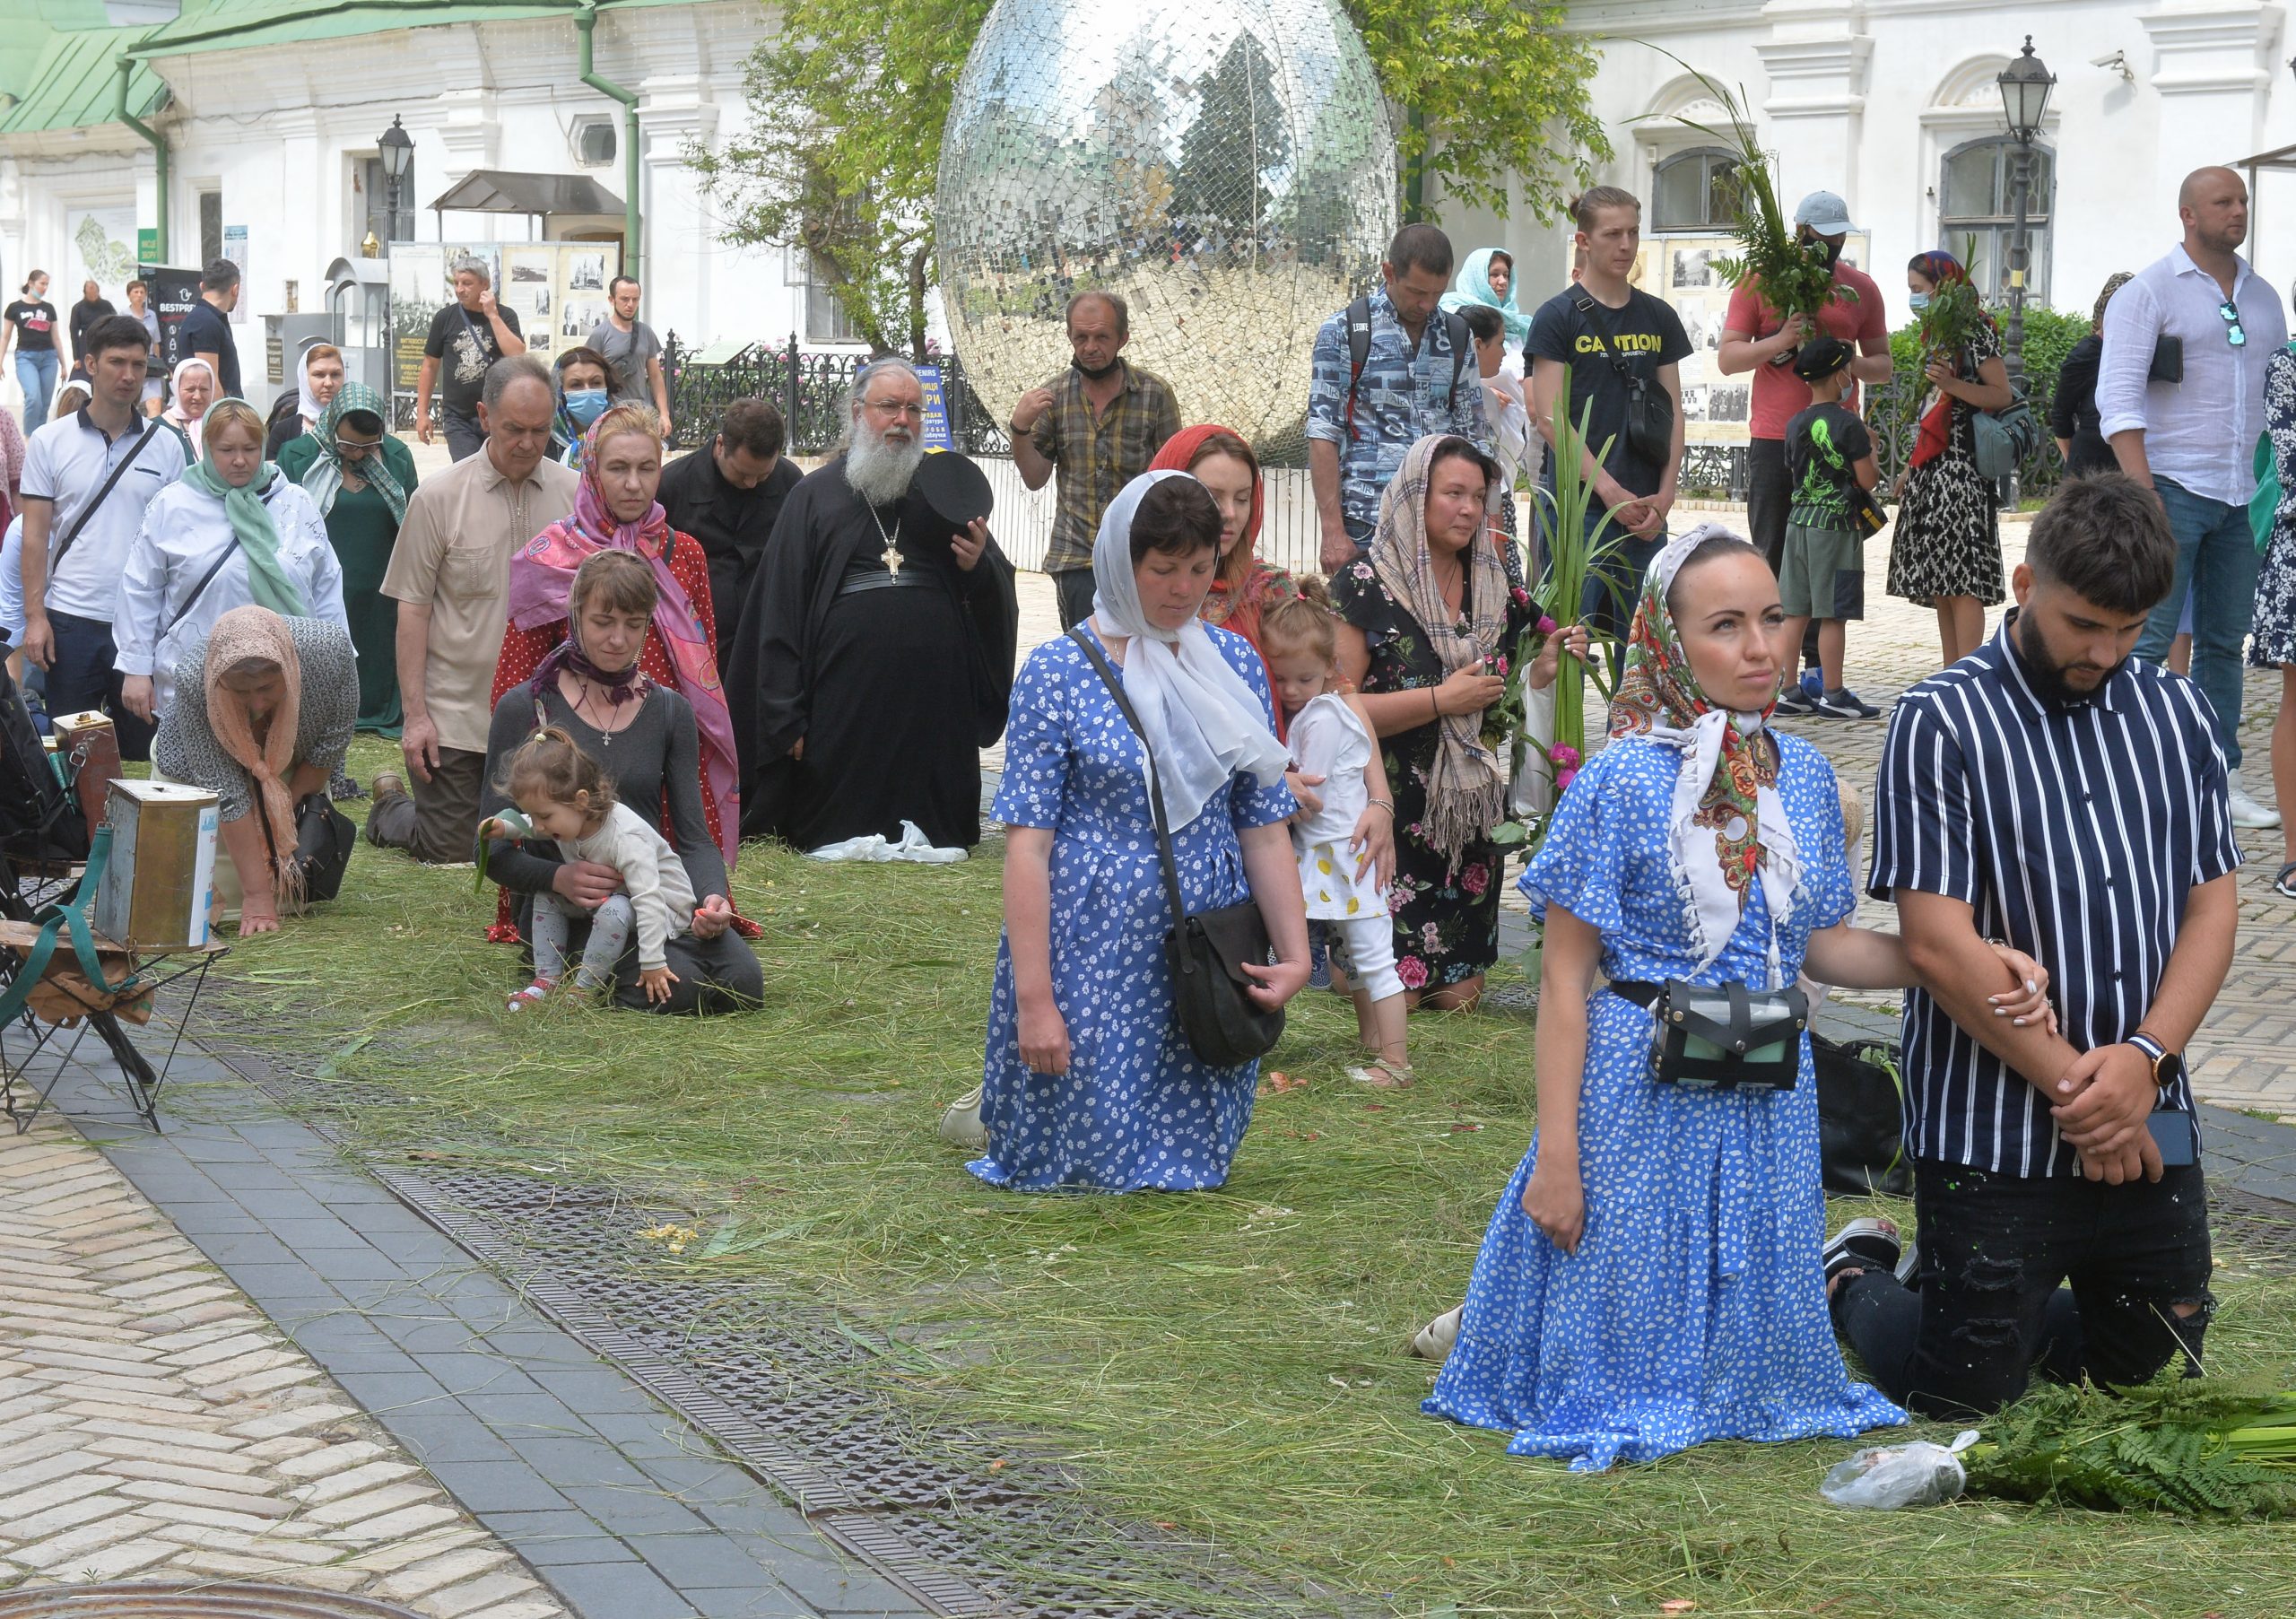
(614, 509)
(1427, 614)
(262, 718)
(1088, 1082)
(1654, 1276)
(359, 476)
(876, 650)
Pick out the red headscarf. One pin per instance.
(1940, 270)
(1240, 591)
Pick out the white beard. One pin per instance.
(879, 471)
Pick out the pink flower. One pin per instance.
(1475, 878)
(1563, 779)
(1412, 971)
(1546, 626)
(1522, 597)
(1502, 666)
(1564, 755)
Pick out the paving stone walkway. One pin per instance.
(153, 1422)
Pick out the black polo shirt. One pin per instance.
(2075, 832)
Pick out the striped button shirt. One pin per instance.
(2074, 831)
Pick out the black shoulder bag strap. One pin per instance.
(1115, 683)
(1461, 345)
(205, 580)
(55, 557)
(1358, 353)
(1593, 311)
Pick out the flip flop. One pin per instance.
(2284, 884)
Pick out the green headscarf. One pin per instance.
(250, 520)
(323, 479)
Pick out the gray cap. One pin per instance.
(1825, 214)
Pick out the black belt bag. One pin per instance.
(1714, 1036)
(1206, 950)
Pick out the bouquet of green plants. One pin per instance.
(1955, 312)
(2199, 1446)
(1792, 275)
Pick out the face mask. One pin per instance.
(1102, 375)
(1919, 300)
(586, 405)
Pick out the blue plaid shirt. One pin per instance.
(1404, 396)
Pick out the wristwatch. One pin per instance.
(2167, 1065)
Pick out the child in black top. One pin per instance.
(1830, 463)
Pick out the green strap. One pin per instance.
(67, 914)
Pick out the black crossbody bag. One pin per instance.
(1205, 950)
(1650, 408)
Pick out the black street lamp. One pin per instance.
(2025, 84)
(397, 149)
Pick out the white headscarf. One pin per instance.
(306, 401)
(1203, 723)
(174, 412)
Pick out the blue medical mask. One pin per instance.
(1919, 300)
(586, 405)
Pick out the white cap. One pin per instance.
(1825, 214)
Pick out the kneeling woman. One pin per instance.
(262, 716)
(1652, 1278)
(1088, 1083)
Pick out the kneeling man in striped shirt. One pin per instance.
(2050, 791)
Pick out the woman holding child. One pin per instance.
(1652, 1278)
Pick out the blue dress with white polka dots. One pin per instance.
(1137, 1109)
(1694, 1308)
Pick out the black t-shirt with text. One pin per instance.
(1644, 335)
(464, 344)
(35, 322)
(206, 330)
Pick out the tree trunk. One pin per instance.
(916, 262)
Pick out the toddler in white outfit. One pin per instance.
(1346, 843)
(562, 794)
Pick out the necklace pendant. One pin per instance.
(892, 560)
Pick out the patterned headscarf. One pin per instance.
(258, 635)
(323, 479)
(2113, 283)
(1467, 788)
(1729, 825)
(542, 579)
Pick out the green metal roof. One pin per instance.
(231, 24)
(74, 81)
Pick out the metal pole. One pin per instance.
(2020, 260)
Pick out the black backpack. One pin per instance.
(40, 823)
(1358, 352)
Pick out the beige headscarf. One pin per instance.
(258, 635)
(1467, 789)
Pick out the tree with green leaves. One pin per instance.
(849, 99)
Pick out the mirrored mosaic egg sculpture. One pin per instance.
(1224, 165)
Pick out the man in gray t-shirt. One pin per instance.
(633, 354)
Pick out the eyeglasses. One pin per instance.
(354, 447)
(2232, 333)
(888, 407)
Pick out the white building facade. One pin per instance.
(274, 153)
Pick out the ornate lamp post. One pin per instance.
(2025, 84)
(397, 149)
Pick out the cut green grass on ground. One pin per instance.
(1230, 1363)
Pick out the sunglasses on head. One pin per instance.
(2233, 334)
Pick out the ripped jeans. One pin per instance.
(1994, 1249)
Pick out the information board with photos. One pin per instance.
(556, 289)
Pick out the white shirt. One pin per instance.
(67, 463)
(660, 892)
(12, 583)
(1503, 407)
(185, 534)
(2200, 434)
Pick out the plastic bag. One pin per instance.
(1884, 1478)
(913, 846)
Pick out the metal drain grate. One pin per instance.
(230, 1601)
(795, 1393)
(2261, 1232)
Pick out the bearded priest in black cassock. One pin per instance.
(876, 658)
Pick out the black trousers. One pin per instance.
(1990, 1309)
(1074, 588)
(1769, 497)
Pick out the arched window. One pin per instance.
(1976, 207)
(1696, 190)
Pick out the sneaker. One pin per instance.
(1846, 704)
(1795, 703)
(1867, 1244)
(1813, 684)
(2248, 813)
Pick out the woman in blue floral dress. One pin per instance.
(1088, 1082)
(1652, 1278)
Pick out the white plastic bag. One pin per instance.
(1916, 1474)
(1532, 791)
(912, 846)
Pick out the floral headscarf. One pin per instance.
(1467, 788)
(542, 579)
(1729, 825)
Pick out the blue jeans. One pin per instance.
(2217, 562)
(36, 372)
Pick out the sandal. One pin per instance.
(1383, 1074)
(1436, 1340)
(2284, 884)
(961, 1125)
(532, 995)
